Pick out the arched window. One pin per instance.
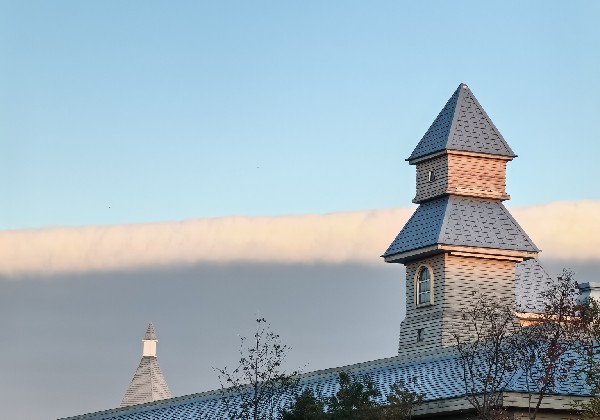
(424, 286)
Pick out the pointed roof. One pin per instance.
(462, 125)
(148, 383)
(531, 281)
(461, 221)
(150, 334)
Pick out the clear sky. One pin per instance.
(132, 132)
(140, 111)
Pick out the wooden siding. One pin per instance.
(466, 278)
(429, 318)
(473, 176)
(457, 281)
(429, 189)
(477, 177)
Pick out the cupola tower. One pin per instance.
(461, 240)
(148, 383)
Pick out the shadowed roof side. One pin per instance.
(531, 280)
(462, 125)
(148, 384)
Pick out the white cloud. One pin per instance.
(563, 230)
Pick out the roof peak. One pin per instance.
(150, 333)
(462, 125)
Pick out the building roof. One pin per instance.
(461, 221)
(462, 125)
(531, 280)
(439, 377)
(150, 333)
(148, 384)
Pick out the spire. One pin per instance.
(462, 125)
(150, 334)
(148, 383)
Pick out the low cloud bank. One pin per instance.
(563, 230)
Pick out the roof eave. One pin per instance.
(465, 251)
(423, 158)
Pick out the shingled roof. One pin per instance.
(531, 280)
(461, 221)
(150, 333)
(462, 125)
(148, 383)
(438, 377)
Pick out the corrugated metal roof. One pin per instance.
(461, 221)
(462, 125)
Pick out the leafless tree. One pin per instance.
(486, 340)
(548, 346)
(256, 388)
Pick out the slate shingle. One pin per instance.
(438, 378)
(531, 280)
(462, 125)
(461, 221)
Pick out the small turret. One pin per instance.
(149, 349)
(148, 383)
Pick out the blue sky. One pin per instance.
(144, 111)
(118, 113)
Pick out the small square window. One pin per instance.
(431, 176)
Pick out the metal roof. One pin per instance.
(462, 125)
(461, 221)
(438, 378)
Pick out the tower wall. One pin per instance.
(477, 176)
(467, 278)
(461, 174)
(457, 282)
(428, 317)
(427, 189)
